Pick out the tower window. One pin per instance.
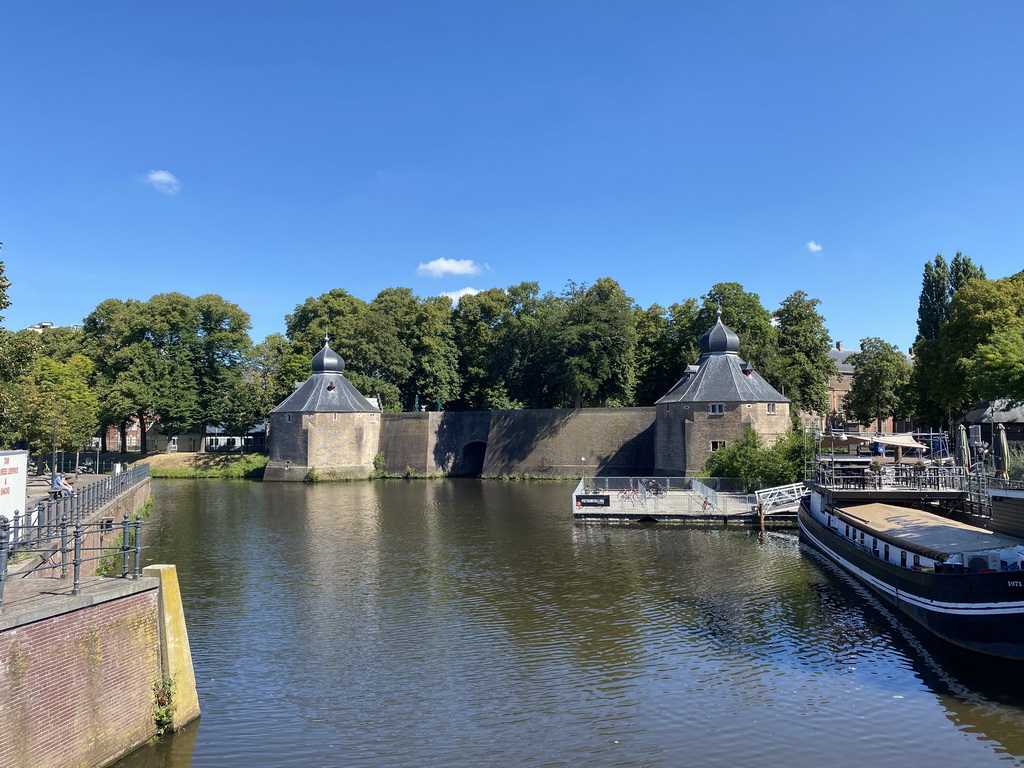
(771, 409)
(716, 409)
(717, 445)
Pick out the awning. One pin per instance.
(899, 441)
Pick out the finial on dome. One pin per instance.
(327, 360)
(720, 340)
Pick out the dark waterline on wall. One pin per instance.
(470, 623)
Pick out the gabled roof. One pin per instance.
(721, 375)
(994, 412)
(327, 390)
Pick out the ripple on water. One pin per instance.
(468, 624)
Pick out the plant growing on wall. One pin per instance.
(163, 704)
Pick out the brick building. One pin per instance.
(712, 405)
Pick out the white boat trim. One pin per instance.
(956, 609)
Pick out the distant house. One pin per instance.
(189, 442)
(988, 413)
(839, 387)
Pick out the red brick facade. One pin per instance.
(77, 688)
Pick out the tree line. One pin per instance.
(185, 363)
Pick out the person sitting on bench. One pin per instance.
(60, 485)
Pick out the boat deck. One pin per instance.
(925, 529)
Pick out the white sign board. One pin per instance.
(13, 479)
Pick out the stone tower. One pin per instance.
(324, 425)
(714, 402)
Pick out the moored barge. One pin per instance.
(962, 582)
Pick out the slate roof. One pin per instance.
(327, 390)
(721, 375)
(994, 412)
(841, 357)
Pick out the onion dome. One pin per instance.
(328, 361)
(720, 340)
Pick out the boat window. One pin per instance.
(847, 531)
(917, 561)
(862, 537)
(903, 558)
(874, 545)
(887, 553)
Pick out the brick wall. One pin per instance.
(77, 688)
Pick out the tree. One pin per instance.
(947, 370)
(55, 397)
(743, 313)
(377, 361)
(526, 349)
(804, 343)
(881, 379)
(5, 286)
(933, 304)
(597, 342)
(933, 357)
(477, 324)
(759, 466)
(999, 365)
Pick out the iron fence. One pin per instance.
(54, 532)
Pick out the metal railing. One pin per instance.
(670, 494)
(53, 531)
(781, 497)
(67, 547)
(85, 502)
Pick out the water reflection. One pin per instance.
(467, 623)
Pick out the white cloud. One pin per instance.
(164, 181)
(813, 247)
(456, 295)
(442, 267)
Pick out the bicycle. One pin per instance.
(654, 488)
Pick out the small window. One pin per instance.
(717, 445)
(887, 553)
(771, 409)
(288, 418)
(903, 558)
(716, 409)
(917, 561)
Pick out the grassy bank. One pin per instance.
(229, 466)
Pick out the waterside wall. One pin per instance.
(79, 672)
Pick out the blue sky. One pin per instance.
(271, 151)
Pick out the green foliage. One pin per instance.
(999, 365)
(596, 340)
(53, 401)
(804, 343)
(163, 704)
(984, 315)
(743, 313)
(759, 466)
(1015, 465)
(881, 383)
(942, 384)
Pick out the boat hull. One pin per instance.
(982, 612)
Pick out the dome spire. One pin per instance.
(327, 360)
(720, 340)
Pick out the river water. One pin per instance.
(471, 623)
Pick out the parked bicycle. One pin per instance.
(654, 488)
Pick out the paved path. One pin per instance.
(38, 486)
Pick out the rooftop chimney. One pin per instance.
(839, 346)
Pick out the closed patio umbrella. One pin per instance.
(1002, 451)
(963, 453)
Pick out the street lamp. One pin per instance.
(53, 456)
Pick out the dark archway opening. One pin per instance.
(471, 463)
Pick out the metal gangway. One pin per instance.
(782, 498)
